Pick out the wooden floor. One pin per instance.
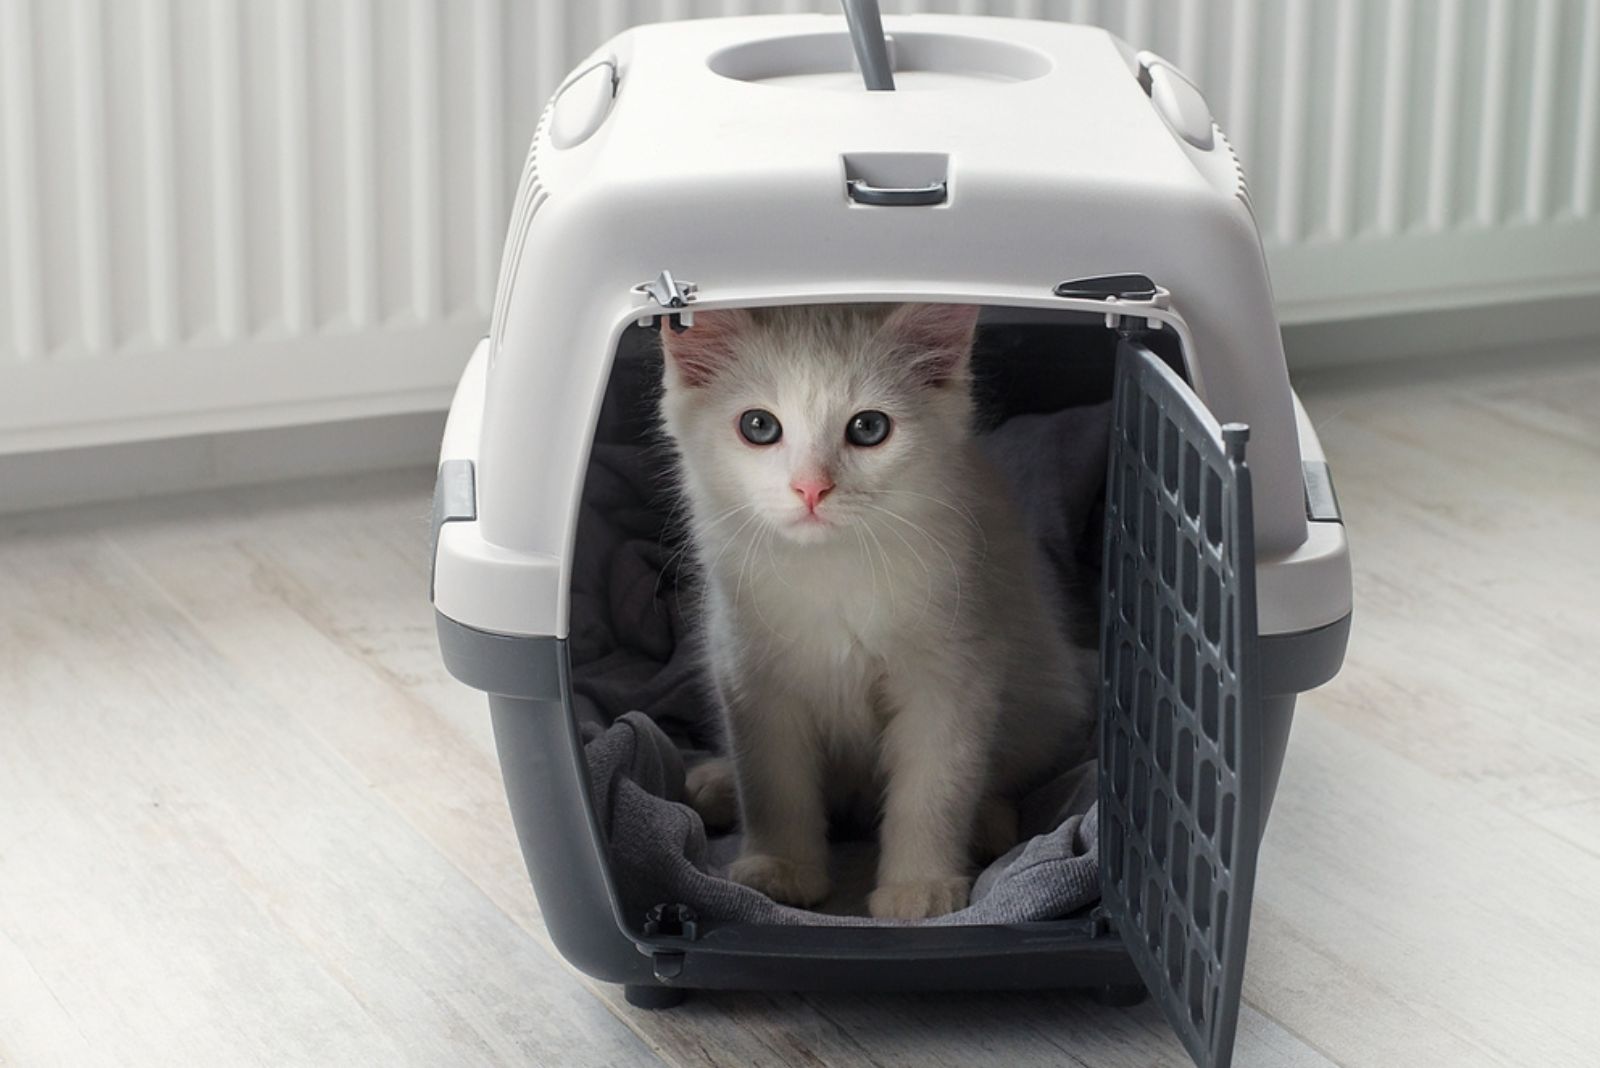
(246, 818)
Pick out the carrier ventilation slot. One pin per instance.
(1180, 745)
(531, 196)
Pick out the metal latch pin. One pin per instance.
(669, 292)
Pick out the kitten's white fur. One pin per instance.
(899, 659)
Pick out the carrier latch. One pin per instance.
(1119, 290)
(1106, 286)
(668, 292)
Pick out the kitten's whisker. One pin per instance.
(873, 567)
(772, 562)
(771, 651)
(764, 536)
(927, 573)
(725, 514)
(678, 557)
(960, 510)
(912, 549)
(888, 567)
(955, 572)
(661, 576)
(749, 554)
(712, 567)
(744, 563)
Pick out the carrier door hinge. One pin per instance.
(669, 920)
(670, 293)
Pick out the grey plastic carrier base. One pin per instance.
(541, 760)
(1196, 711)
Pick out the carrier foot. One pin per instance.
(653, 997)
(1117, 995)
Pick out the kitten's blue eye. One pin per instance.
(867, 429)
(760, 427)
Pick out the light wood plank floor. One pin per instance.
(246, 818)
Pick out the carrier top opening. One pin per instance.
(920, 62)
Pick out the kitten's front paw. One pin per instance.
(713, 792)
(918, 901)
(782, 880)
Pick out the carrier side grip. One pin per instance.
(455, 498)
(1322, 504)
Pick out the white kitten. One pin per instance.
(874, 618)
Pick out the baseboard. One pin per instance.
(1566, 323)
(56, 478)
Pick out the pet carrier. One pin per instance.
(1078, 191)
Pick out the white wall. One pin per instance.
(229, 214)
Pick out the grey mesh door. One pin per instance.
(1180, 731)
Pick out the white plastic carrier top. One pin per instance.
(722, 150)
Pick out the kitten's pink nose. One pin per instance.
(811, 489)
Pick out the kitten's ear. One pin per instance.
(695, 356)
(936, 338)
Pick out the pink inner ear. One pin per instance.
(706, 347)
(937, 337)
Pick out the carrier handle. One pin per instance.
(866, 36)
(896, 196)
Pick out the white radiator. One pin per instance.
(218, 214)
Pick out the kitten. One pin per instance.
(875, 627)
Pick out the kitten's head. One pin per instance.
(814, 419)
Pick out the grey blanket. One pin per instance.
(646, 712)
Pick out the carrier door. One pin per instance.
(1180, 729)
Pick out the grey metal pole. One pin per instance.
(866, 36)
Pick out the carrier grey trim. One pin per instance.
(455, 497)
(1304, 659)
(509, 665)
(563, 846)
(1322, 505)
(523, 666)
